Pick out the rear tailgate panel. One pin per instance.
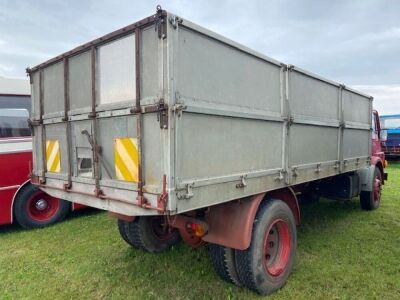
(88, 134)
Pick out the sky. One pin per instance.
(353, 42)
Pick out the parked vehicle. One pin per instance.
(20, 201)
(391, 145)
(182, 133)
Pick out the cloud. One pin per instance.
(386, 97)
(352, 42)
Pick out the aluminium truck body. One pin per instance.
(218, 121)
(164, 117)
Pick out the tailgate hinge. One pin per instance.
(161, 26)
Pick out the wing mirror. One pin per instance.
(384, 135)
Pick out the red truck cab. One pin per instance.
(20, 201)
(377, 153)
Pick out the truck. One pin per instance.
(20, 201)
(391, 127)
(181, 133)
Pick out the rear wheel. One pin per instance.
(265, 266)
(123, 228)
(149, 233)
(371, 200)
(34, 208)
(223, 261)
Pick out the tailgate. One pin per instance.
(100, 124)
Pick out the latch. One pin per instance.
(162, 114)
(295, 172)
(318, 169)
(280, 175)
(243, 182)
(187, 190)
(95, 148)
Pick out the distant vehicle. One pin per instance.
(391, 124)
(20, 201)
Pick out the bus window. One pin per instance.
(14, 114)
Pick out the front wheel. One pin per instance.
(265, 266)
(370, 200)
(34, 208)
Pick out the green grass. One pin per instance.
(343, 253)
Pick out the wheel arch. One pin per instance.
(26, 183)
(379, 164)
(231, 224)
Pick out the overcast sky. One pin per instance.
(353, 42)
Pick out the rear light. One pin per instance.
(385, 164)
(198, 230)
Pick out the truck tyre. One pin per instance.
(370, 200)
(149, 234)
(265, 266)
(123, 228)
(34, 208)
(223, 261)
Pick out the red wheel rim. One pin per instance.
(377, 188)
(277, 245)
(162, 231)
(42, 207)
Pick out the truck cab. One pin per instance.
(391, 126)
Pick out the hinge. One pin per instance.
(174, 21)
(289, 121)
(32, 124)
(160, 27)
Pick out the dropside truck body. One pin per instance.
(180, 132)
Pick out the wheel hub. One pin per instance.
(41, 204)
(277, 245)
(377, 189)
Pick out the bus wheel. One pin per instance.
(34, 208)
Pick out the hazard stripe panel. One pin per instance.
(126, 159)
(53, 156)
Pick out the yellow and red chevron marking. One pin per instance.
(53, 156)
(126, 159)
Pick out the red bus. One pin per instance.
(20, 201)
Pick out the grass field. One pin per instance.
(343, 253)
